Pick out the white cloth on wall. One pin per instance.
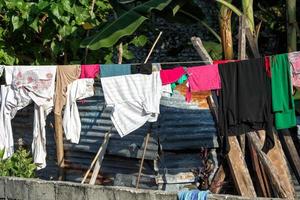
(27, 84)
(77, 90)
(135, 100)
(167, 90)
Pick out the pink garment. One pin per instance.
(202, 78)
(169, 76)
(89, 71)
(294, 59)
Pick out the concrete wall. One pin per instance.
(12, 188)
(35, 189)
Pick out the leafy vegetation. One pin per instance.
(19, 165)
(47, 31)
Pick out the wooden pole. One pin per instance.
(100, 150)
(59, 145)
(148, 134)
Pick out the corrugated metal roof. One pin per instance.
(181, 126)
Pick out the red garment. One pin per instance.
(89, 71)
(169, 76)
(268, 66)
(203, 78)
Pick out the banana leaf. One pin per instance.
(125, 25)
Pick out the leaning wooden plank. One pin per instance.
(218, 180)
(290, 152)
(100, 158)
(239, 170)
(262, 181)
(275, 166)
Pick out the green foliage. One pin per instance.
(125, 25)
(48, 31)
(132, 14)
(19, 165)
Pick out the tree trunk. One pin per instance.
(225, 31)
(291, 25)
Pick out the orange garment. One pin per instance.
(65, 75)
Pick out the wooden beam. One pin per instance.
(239, 170)
(290, 151)
(276, 167)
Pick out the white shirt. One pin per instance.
(27, 84)
(79, 89)
(135, 100)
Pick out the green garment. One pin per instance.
(282, 99)
(180, 81)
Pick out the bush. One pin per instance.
(19, 165)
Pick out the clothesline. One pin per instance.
(135, 98)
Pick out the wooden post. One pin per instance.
(59, 145)
(143, 158)
(198, 45)
(150, 128)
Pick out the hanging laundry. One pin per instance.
(38, 81)
(89, 71)
(79, 89)
(1, 70)
(179, 82)
(141, 69)
(282, 99)
(202, 78)
(27, 84)
(135, 100)
(169, 76)
(268, 66)
(38, 145)
(245, 100)
(11, 101)
(65, 75)
(108, 70)
(294, 59)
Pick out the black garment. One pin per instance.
(245, 100)
(142, 69)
